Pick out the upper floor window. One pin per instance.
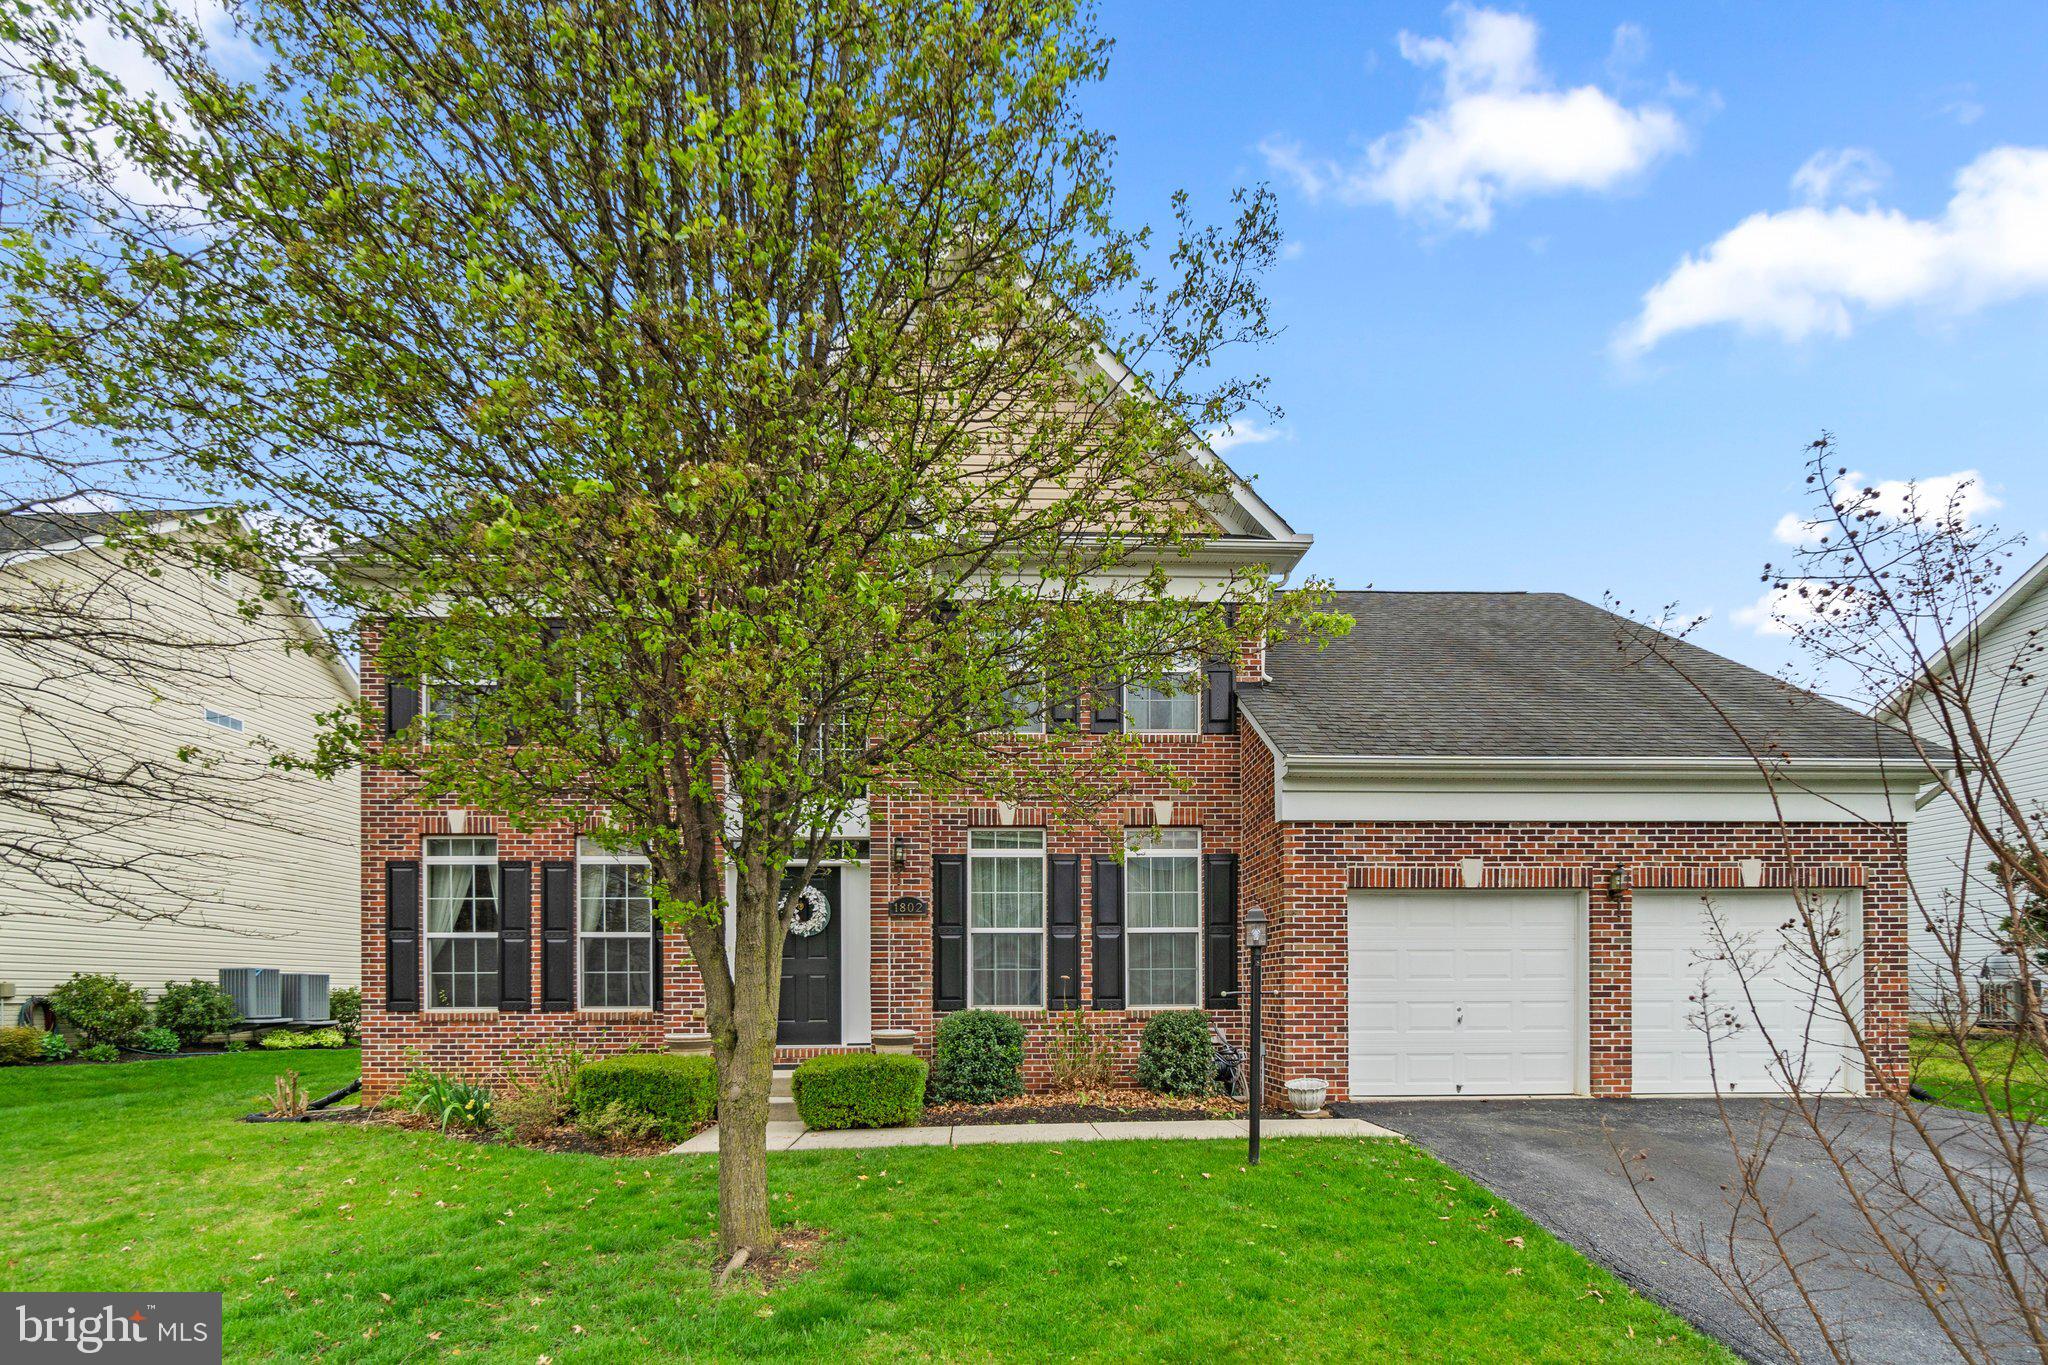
(222, 719)
(1171, 707)
(1006, 918)
(462, 923)
(1163, 918)
(616, 917)
(446, 699)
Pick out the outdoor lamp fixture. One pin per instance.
(1618, 880)
(899, 854)
(1255, 939)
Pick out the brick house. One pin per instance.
(1482, 836)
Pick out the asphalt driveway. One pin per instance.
(1560, 1162)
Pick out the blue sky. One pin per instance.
(1473, 398)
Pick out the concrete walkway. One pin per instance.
(794, 1137)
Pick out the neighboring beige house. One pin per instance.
(205, 855)
(2011, 705)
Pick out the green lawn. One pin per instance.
(2018, 1081)
(369, 1243)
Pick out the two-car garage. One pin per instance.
(1488, 992)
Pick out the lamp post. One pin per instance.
(1255, 939)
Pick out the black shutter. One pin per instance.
(1219, 931)
(551, 638)
(558, 936)
(401, 705)
(515, 935)
(1109, 706)
(1063, 990)
(1109, 934)
(402, 936)
(1064, 713)
(654, 989)
(949, 932)
(1219, 697)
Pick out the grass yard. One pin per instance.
(370, 1243)
(2019, 1083)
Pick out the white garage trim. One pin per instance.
(1466, 993)
(1764, 1003)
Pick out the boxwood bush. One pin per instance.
(859, 1090)
(678, 1092)
(977, 1058)
(19, 1046)
(1175, 1054)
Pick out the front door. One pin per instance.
(810, 967)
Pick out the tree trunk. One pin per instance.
(743, 1025)
(744, 1078)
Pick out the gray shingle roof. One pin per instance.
(31, 530)
(1531, 675)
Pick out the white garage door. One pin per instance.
(1465, 992)
(1760, 1006)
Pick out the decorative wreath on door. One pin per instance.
(813, 913)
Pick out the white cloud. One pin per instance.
(1501, 131)
(140, 76)
(1840, 175)
(1937, 498)
(1779, 610)
(1225, 439)
(1815, 269)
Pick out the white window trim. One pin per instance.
(219, 719)
(1134, 848)
(1187, 666)
(1044, 898)
(429, 861)
(600, 857)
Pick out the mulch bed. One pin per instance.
(563, 1138)
(346, 1113)
(1086, 1106)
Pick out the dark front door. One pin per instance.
(810, 970)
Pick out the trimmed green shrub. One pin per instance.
(153, 1040)
(56, 1047)
(286, 1040)
(678, 1092)
(101, 1052)
(193, 1009)
(1175, 1054)
(104, 1009)
(977, 1058)
(346, 1005)
(859, 1090)
(20, 1046)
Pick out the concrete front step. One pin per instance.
(782, 1109)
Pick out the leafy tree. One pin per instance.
(732, 409)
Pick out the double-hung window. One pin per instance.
(1173, 706)
(1024, 703)
(616, 913)
(448, 701)
(1006, 918)
(1163, 917)
(462, 923)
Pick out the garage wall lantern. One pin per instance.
(1618, 880)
